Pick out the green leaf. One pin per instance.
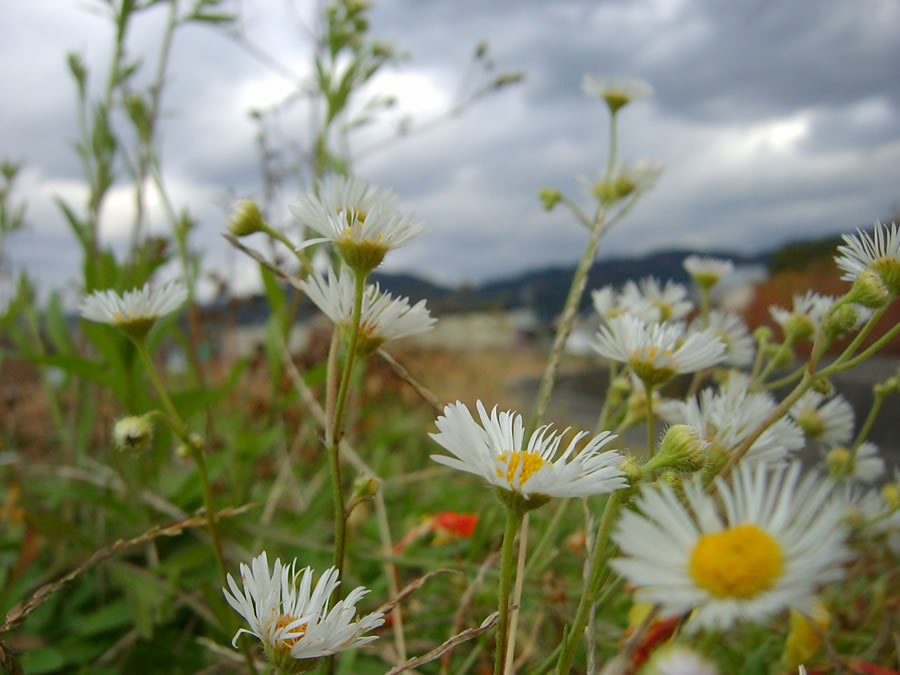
(274, 292)
(194, 400)
(213, 18)
(58, 325)
(46, 660)
(78, 227)
(115, 615)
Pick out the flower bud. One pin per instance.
(245, 219)
(762, 334)
(798, 328)
(783, 357)
(365, 487)
(134, 434)
(195, 443)
(622, 385)
(632, 469)
(823, 386)
(549, 198)
(846, 318)
(869, 290)
(682, 449)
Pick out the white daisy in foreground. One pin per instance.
(826, 421)
(363, 222)
(294, 623)
(495, 449)
(878, 252)
(774, 541)
(136, 310)
(730, 329)
(802, 322)
(657, 352)
(616, 92)
(382, 317)
(707, 272)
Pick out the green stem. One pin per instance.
(178, 425)
(787, 379)
(840, 364)
(197, 454)
(513, 521)
(770, 366)
(761, 345)
(704, 305)
(180, 429)
(570, 311)
(603, 420)
(651, 439)
(334, 436)
(344, 388)
(546, 539)
(598, 565)
(867, 425)
(738, 453)
(613, 143)
(299, 254)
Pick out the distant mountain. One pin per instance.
(545, 290)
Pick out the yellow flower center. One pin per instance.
(738, 563)
(665, 310)
(889, 270)
(297, 633)
(811, 422)
(643, 364)
(531, 462)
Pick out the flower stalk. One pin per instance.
(514, 518)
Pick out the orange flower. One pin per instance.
(446, 526)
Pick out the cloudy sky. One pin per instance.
(774, 120)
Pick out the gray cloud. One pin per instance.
(774, 121)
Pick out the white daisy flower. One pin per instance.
(862, 506)
(495, 449)
(616, 92)
(624, 181)
(656, 352)
(137, 310)
(605, 302)
(650, 301)
(363, 222)
(775, 540)
(678, 660)
(382, 317)
(826, 421)
(294, 622)
(802, 322)
(730, 329)
(726, 418)
(866, 466)
(879, 252)
(706, 271)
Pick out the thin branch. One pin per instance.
(437, 652)
(20, 611)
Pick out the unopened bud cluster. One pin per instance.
(134, 434)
